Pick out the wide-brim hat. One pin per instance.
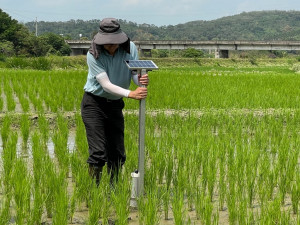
(110, 33)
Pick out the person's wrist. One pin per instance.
(130, 95)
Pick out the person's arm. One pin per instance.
(111, 88)
(107, 86)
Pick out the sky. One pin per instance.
(156, 12)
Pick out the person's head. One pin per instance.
(111, 48)
(110, 36)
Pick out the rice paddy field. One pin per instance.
(222, 147)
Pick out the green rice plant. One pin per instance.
(190, 189)
(231, 204)
(94, 205)
(166, 201)
(5, 129)
(1, 102)
(271, 182)
(295, 194)
(105, 198)
(148, 206)
(169, 169)
(25, 128)
(204, 207)
(251, 172)
(9, 156)
(38, 155)
(83, 183)
(242, 213)
(80, 138)
(150, 181)
(21, 190)
(61, 201)
(212, 164)
(5, 213)
(222, 185)
(208, 210)
(178, 208)
(272, 214)
(43, 125)
(120, 197)
(37, 208)
(37, 102)
(75, 167)
(49, 185)
(99, 202)
(19, 86)
(10, 102)
(60, 140)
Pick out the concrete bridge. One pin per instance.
(221, 48)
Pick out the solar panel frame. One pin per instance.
(141, 64)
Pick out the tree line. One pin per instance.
(17, 40)
(257, 25)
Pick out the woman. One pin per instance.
(107, 83)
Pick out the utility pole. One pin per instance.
(36, 33)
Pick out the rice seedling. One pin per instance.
(37, 208)
(10, 102)
(25, 128)
(61, 200)
(94, 205)
(5, 129)
(60, 140)
(21, 183)
(9, 156)
(49, 185)
(296, 194)
(148, 209)
(178, 208)
(5, 213)
(120, 197)
(43, 125)
(1, 102)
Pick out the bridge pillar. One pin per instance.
(78, 51)
(145, 53)
(221, 53)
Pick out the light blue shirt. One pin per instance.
(115, 67)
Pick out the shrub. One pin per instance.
(296, 67)
(41, 63)
(17, 63)
(192, 53)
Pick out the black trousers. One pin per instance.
(104, 124)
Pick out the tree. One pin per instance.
(192, 53)
(56, 44)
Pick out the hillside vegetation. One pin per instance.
(258, 25)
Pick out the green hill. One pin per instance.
(258, 25)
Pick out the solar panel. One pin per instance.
(141, 64)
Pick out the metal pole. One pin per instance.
(142, 117)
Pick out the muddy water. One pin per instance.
(21, 152)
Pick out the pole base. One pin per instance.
(134, 188)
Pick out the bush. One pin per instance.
(6, 48)
(192, 53)
(41, 63)
(296, 67)
(17, 63)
